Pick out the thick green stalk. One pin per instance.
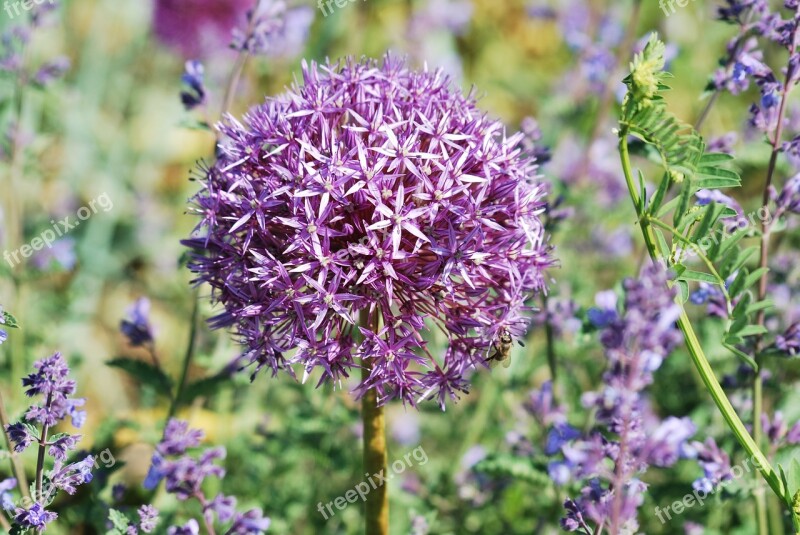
(695, 348)
(376, 506)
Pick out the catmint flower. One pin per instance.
(70, 476)
(250, 523)
(137, 327)
(723, 143)
(190, 528)
(18, 434)
(560, 434)
(195, 93)
(184, 475)
(36, 517)
(605, 310)
(789, 341)
(59, 448)
(716, 465)
(51, 71)
(789, 198)
(560, 314)
(370, 189)
(636, 342)
(6, 498)
(148, 518)
(541, 405)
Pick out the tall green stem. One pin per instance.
(376, 506)
(695, 348)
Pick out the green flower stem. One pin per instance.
(695, 348)
(376, 506)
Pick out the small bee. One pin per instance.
(500, 352)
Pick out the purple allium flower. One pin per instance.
(274, 29)
(377, 191)
(198, 27)
(137, 327)
(148, 518)
(6, 498)
(190, 528)
(34, 518)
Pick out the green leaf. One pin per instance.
(683, 204)
(698, 276)
(709, 182)
(10, 321)
(752, 330)
(738, 284)
(683, 288)
(145, 373)
(658, 198)
(667, 208)
(118, 520)
(755, 276)
(714, 157)
(747, 359)
(662, 244)
(760, 305)
(515, 467)
(709, 219)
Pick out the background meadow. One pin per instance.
(114, 125)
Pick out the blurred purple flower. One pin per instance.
(190, 528)
(274, 29)
(194, 94)
(368, 188)
(197, 28)
(148, 518)
(137, 327)
(715, 463)
(60, 254)
(6, 498)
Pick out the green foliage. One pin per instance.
(144, 373)
(119, 522)
(697, 244)
(512, 466)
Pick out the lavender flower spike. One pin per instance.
(371, 188)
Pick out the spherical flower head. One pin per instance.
(371, 191)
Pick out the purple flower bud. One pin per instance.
(137, 327)
(148, 518)
(6, 498)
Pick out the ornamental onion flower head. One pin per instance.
(370, 190)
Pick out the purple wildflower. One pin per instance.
(184, 475)
(716, 465)
(59, 448)
(250, 523)
(51, 71)
(148, 518)
(194, 94)
(34, 518)
(6, 498)
(789, 341)
(18, 434)
(377, 190)
(70, 476)
(541, 405)
(137, 327)
(190, 528)
(274, 29)
(636, 343)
